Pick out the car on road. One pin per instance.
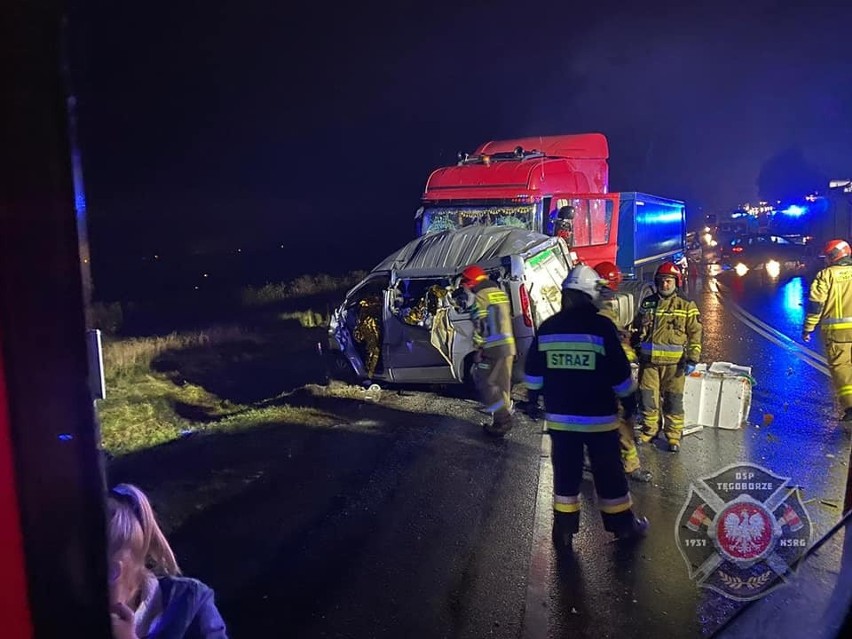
(775, 256)
(694, 251)
(409, 321)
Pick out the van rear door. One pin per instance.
(544, 271)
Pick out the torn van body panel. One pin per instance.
(422, 324)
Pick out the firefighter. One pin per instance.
(830, 305)
(579, 366)
(565, 224)
(607, 302)
(368, 331)
(493, 336)
(668, 332)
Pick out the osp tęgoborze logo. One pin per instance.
(742, 530)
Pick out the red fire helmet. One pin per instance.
(611, 273)
(670, 269)
(836, 250)
(472, 275)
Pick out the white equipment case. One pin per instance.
(718, 396)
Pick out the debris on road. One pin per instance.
(373, 393)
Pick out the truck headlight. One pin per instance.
(773, 269)
(741, 269)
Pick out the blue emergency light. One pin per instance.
(795, 210)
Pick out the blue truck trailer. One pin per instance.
(651, 230)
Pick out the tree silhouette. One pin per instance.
(788, 175)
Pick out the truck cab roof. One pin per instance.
(578, 146)
(525, 167)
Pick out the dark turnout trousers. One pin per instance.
(613, 497)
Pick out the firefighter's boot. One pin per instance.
(501, 424)
(564, 527)
(640, 475)
(637, 529)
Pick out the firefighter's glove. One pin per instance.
(806, 336)
(689, 367)
(629, 405)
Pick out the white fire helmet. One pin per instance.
(586, 279)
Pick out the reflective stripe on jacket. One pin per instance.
(668, 328)
(577, 362)
(492, 317)
(830, 302)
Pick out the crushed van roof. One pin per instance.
(451, 251)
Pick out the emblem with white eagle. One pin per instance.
(742, 531)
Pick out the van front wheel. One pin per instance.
(339, 368)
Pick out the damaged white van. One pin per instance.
(408, 321)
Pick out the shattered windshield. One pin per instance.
(450, 218)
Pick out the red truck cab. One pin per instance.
(521, 182)
(556, 185)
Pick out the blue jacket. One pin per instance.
(188, 611)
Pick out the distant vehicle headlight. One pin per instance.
(707, 238)
(773, 268)
(741, 269)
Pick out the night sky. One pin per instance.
(207, 126)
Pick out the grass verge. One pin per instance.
(226, 377)
(165, 388)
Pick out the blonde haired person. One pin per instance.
(148, 597)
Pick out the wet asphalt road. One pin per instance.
(792, 431)
(408, 522)
(405, 522)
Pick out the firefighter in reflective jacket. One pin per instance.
(492, 318)
(830, 306)
(669, 339)
(608, 304)
(579, 366)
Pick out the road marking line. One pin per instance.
(536, 621)
(787, 340)
(806, 355)
(793, 350)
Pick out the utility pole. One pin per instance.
(76, 160)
